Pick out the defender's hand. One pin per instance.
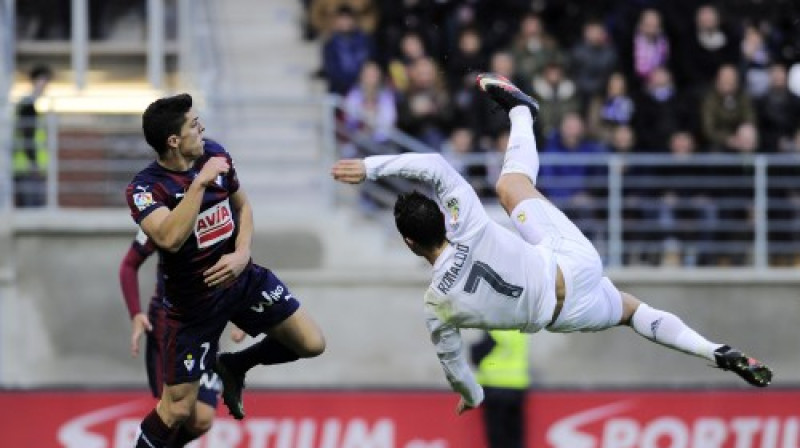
(226, 269)
(139, 325)
(463, 407)
(349, 171)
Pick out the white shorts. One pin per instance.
(592, 302)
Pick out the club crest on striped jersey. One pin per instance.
(214, 225)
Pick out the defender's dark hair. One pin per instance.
(418, 218)
(165, 117)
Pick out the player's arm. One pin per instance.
(430, 168)
(169, 229)
(229, 266)
(129, 282)
(451, 190)
(449, 348)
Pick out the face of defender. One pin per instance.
(190, 143)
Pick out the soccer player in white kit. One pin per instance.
(485, 276)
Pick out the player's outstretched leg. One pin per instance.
(516, 186)
(521, 157)
(669, 330)
(232, 367)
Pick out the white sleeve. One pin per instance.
(457, 199)
(447, 340)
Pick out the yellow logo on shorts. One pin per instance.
(521, 217)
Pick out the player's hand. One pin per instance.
(214, 167)
(226, 269)
(463, 407)
(237, 334)
(349, 171)
(139, 325)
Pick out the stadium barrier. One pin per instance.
(639, 209)
(421, 419)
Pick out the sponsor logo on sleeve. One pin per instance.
(142, 198)
(454, 209)
(214, 225)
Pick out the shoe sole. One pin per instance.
(235, 407)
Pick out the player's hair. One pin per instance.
(419, 219)
(165, 117)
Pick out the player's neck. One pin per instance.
(175, 161)
(434, 254)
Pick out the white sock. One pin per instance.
(521, 155)
(667, 329)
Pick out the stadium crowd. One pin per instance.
(673, 77)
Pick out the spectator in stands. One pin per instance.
(533, 49)
(31, 154)
(424, 110)
(662, 110)
(412, 48)
(488, 123)
(651, 46)
(778, 111)
(611, 110)
(637, 198)
(323, 15)
(570, 186)
(558, 96)
(755, 62)
(725, 108)
(369, 108)
(410, 16)
(462, 153)
(345, 51)
(710, 47)
(44, 19)
(784, 207)
(686, 217)
(468, 58)
(738, 213)
(592, 61)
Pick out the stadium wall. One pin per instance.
(64, 322)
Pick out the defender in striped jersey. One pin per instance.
(152, 324)
(190, 203)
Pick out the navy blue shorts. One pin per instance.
(210, 385)
(256, 302)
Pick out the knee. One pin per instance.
(313, 346)
(178, 401)
(503, 189)
(203, 419)
(180, 411)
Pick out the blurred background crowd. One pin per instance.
(677, 78)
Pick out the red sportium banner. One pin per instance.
(345, 419)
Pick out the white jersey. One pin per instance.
(488, 277)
